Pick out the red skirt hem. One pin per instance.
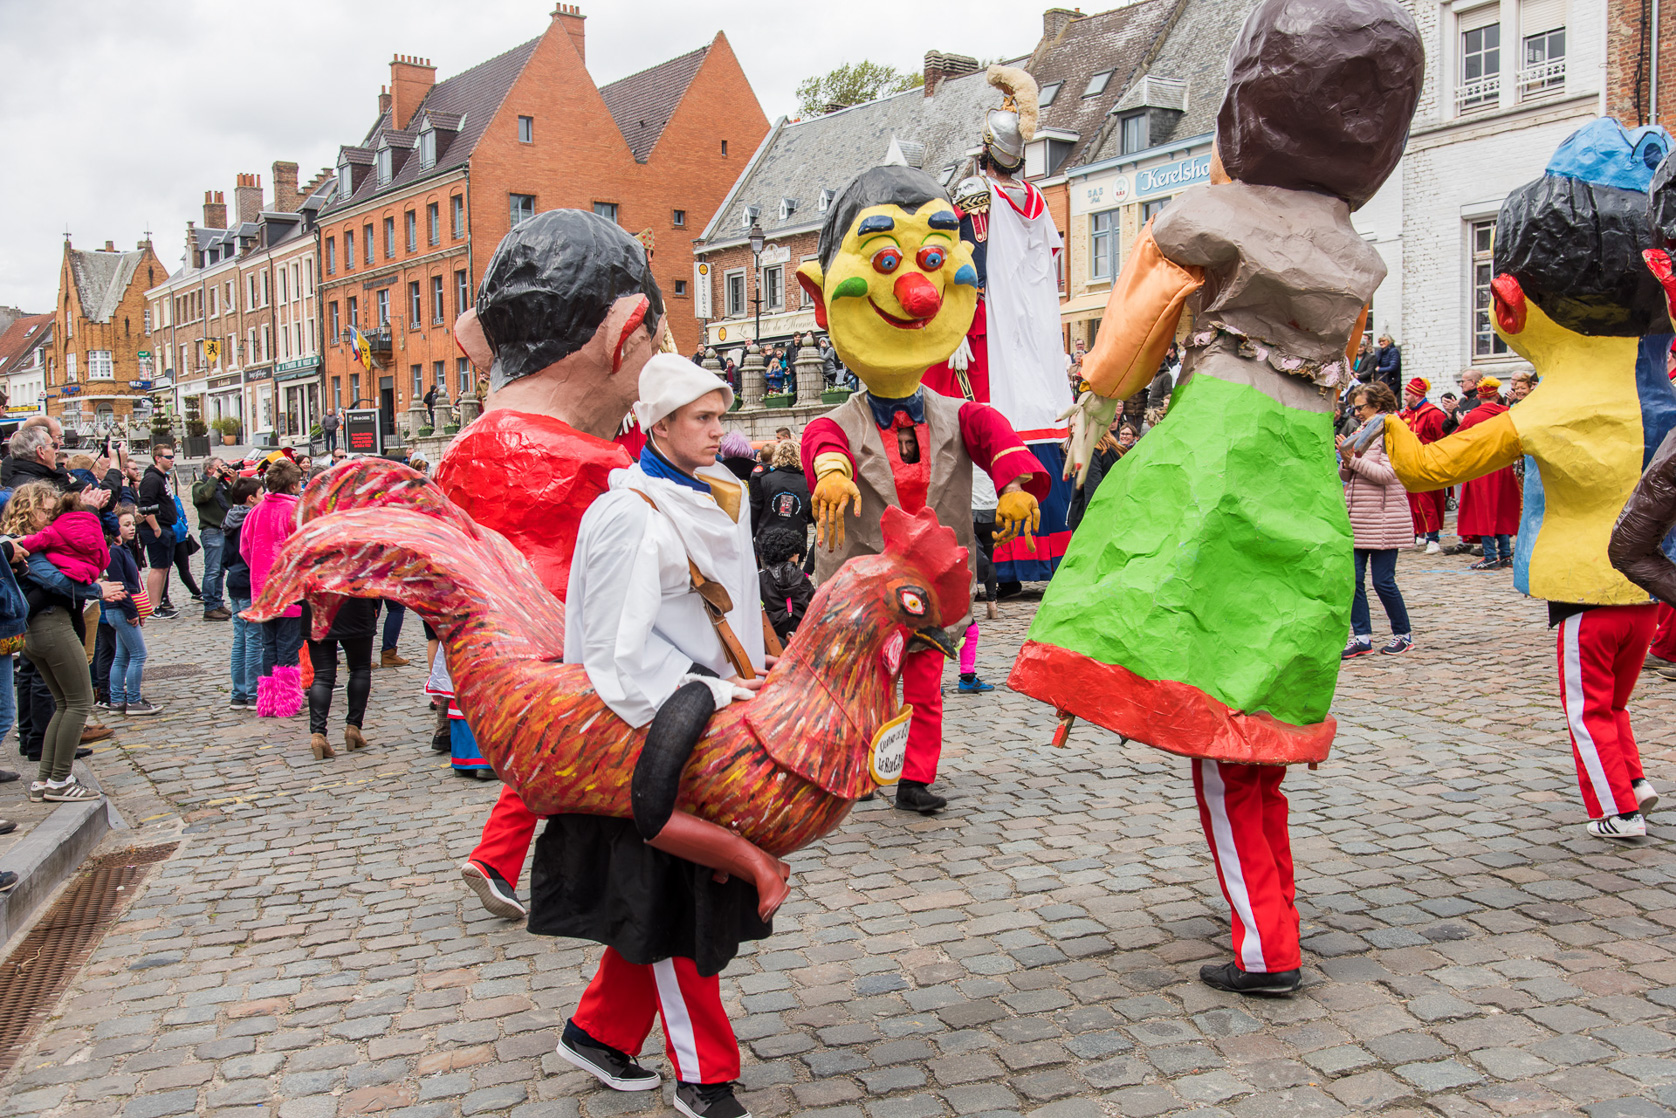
(1165, 714)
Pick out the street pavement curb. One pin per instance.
(53, 851)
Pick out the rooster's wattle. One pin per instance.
(780, 770)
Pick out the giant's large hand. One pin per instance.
(961, 359)
(1091, 416)
(1016, 513)
(827, 502)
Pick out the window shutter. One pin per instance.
(1479, 17)
(1540, 15)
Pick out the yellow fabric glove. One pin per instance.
(1017, 513)
(832, 492)
(1454, 459)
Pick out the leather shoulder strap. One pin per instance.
(717, 603)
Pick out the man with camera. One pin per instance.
(157, 525)
(209, 496)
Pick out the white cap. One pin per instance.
(669, 382)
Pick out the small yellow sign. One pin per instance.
(889, 753)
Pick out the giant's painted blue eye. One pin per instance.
(931, 257)
(887, 260)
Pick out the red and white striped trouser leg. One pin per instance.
(1600, 655)
(1243, 812)
(618, 1006)
(506, 836)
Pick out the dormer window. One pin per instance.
(826, 200)
(386, 166)
(747, 216)
(788, 206)
(1097, 84)
(346, 182)
(427, 148)
(1048, 93)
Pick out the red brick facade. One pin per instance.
(1628, 58)
(119, 329)
(573, 155)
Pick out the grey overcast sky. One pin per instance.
(119, 115)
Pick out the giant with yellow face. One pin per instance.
(894, 284)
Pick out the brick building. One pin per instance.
(24, 347)
(102, 339)
(1637, 91)
(448, 167)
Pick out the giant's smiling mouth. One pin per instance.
(899, 323)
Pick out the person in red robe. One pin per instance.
(1425, 419)
(1490, 505)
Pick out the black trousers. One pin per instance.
(323, 656)
(104, 653)
(35, 707)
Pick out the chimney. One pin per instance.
(194, 258)
(286, 199)
(383, 100)
(110, 246)
(940, 67)
(215, 210)
(410, 79)
(570, 17)
(247, 198)
(1055, 20)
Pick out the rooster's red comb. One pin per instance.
(929, 548)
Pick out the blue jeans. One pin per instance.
(129, 663)
(8, 697)
(282, 641)
(1498, 547)
(212, 539)
(1385, 585)
(247, 652)
(392, 625)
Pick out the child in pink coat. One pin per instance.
(75, 543)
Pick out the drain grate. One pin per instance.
(38, 969)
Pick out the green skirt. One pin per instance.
(1205, 597)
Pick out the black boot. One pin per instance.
(911, 795)
(1229, 977)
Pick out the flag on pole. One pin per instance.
(363, 348)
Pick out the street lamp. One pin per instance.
(756, 258)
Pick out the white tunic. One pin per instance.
(1027, 382)
(632, 618)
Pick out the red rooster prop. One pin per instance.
(780, 770)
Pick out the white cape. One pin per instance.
(1027, 381)
(632, 618)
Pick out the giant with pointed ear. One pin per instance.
(894, 285)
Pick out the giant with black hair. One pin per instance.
(550, 284)
(906, 187)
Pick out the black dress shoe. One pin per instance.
(911, 795)
(7, 776)
(83, 751)
(1229, 977)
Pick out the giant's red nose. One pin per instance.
(917, 295)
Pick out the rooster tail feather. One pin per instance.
(365, 483)
(469, 589)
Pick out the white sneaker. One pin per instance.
(1645, 797)
(1419, 541)
(1612, 827)
(1433, 547)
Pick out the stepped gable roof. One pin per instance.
(642, 103)
(799, 159)
(469, 100)
(1116, 41)
(101, 278)
(24, 335)
(1194, 51)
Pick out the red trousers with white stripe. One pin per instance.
(1601, 651)
(506, 836)
(1664, 638)
(618, 1006)
(1243, 812)
(922, 686)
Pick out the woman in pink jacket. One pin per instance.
(279, 691)
(1380, 522)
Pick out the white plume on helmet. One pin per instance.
(1009, 128)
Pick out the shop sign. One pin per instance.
(296, 370)
(1106, 193)
(226, 380)
(362, 433)
(775, 254)
(1172, 178)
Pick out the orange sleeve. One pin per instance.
(1140, 321)
(1356, 338)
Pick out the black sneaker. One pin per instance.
(615, 1069)
(1398, 645)
(166, 613)
(139, 708)
(493, 890)
(911, 795)
(708, 1100)
(8, 880)
(1229, 977)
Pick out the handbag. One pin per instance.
(192, 545)
(142, 603)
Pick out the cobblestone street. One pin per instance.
(310, 951)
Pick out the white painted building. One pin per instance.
(1506, 82)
